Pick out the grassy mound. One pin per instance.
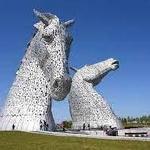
(29, 141)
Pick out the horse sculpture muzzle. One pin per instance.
(61, 88)
(115, 65)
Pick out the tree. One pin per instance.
(67, 124)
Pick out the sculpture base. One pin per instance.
(26, 123)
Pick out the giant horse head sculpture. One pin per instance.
(43, 75)
(86, 105)
(55, 40)
(94, 73)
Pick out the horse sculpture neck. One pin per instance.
(86, 105)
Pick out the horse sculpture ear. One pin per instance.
(74, 69)
(40, 25)
(69, 23)
(44, 17)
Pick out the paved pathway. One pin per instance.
(94, 136)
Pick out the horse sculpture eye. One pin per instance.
(48, 38)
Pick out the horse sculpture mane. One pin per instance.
(42, 76)
(87, 107)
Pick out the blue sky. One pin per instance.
(103, 29)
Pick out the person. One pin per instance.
(13, 127)
(64, 129)
(41, 127)
(89, 126)
(44, 125)
(47, 127)
(83, 126)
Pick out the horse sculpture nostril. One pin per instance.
(115, 63)
(55, 84)
(67, 79)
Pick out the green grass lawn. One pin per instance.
(29, 141)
